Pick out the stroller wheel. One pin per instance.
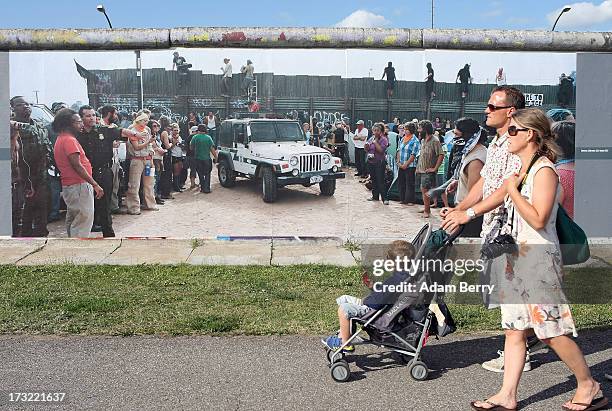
(340, 371)
(418, 370)
(336, 358)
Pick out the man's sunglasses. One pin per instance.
(513, 131)
(491, 107)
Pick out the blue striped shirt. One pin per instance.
(408, 149)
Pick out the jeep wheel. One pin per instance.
(227, 177)
(269, 185)
(328, 188)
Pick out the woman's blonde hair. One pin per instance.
(536, 120)
(175, 126)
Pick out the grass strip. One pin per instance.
(213, 300)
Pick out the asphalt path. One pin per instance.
(277, 372)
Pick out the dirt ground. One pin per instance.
(299, 211)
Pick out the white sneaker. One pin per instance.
(497, 364)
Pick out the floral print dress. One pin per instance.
(531, 295)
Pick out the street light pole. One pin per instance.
(432, 14)
(101, 9)
(565, 10)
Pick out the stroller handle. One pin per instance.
(453, 236)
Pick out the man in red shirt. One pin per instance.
(78, 186)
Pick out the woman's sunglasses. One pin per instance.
(513, 130)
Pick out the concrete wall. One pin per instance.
(593, 193)
(5, 143)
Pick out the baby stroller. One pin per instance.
(404, 326)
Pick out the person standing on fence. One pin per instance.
(78, 186)
(429, 83)
(500, 78)
(389, 72)
(376, 150)
(226, 80)
(566, 89)
(249, 77)
(465, 78)
(203, 146)
(360, 136)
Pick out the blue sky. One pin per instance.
(517, 14)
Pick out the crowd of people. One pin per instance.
(103, 164)
(140, 160)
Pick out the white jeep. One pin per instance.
(275, 152)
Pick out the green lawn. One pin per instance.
(177, 300)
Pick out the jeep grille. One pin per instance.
(311, 162)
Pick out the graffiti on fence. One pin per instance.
(534, 100)
(201, 102)
(323, 117)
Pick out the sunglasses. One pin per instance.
(491, 107)
(513, 130)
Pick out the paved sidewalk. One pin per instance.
(230, 373)
(262, 251)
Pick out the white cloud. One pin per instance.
(363, 19)
(583, 15)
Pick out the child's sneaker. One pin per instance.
(333, 342)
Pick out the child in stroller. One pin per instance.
(401, 322)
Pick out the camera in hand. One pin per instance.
(502, 244)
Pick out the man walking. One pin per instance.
(78, 185)
(226, 80)
(487, 196)
(203, 146)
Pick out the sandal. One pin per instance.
(495, 407)
(596, 404)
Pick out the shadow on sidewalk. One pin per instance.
(442, 357)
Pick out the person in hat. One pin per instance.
(360, 136)
(226, 80)
(140, 149)
(249, 77)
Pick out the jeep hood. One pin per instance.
(282, 150)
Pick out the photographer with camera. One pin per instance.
(533, 300)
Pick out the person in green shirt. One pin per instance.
(203, 146)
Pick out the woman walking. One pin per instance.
(533, 297)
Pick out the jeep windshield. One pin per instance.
(275, 132)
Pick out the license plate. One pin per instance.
(316, 179)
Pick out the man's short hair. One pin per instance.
(514, 97)
(83, 108)
(427, 126)
(105, 110)
(12, 100)
(202, 128)
(411, 127)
